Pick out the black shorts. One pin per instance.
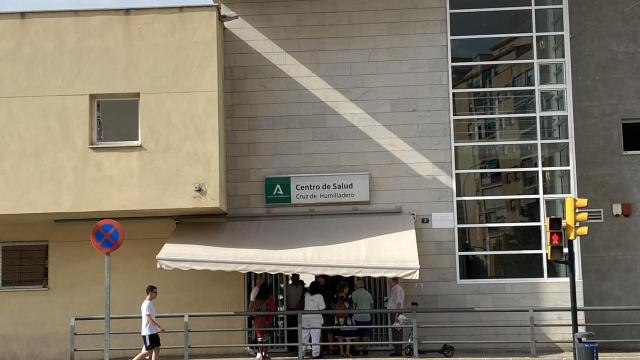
(151, 341)
(365, 332)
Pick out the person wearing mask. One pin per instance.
(362, 300)
(395, 302)
(295, 301)
(264, 302)
(311, 323)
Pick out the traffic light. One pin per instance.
(573, 216)
(555, 238)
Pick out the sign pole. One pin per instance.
(107, 304)
(572, 288)
(107, 236)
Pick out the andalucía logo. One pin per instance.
(277, 190)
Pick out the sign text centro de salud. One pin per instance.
(316, 189)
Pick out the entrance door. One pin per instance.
(376, 286)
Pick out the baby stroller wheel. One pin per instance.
(408, 351)
(447, 350)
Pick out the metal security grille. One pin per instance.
(24, 265)
(378, 289)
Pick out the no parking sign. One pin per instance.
(107, 236)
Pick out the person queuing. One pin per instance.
(395, 302)
(295, 301)
(260, 278)
(311, 323)
(264, 302)
(328, 294)
(362, 300)
(344, 302)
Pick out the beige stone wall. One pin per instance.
(76, 287)
(53, 62)
(361, 86)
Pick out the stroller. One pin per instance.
(446, 349)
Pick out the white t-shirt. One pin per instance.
(147, 308)
(313, 302)
(396, 296)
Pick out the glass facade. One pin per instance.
(511, 120)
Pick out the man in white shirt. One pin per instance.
(150, 327)
(395, 301)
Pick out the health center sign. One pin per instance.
(316, 189)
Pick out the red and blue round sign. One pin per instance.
(107, 236)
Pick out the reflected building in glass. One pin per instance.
(512, 154)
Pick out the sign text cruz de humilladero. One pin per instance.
(316, 189)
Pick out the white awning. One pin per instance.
(350, 245)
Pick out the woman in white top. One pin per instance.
(311, 323)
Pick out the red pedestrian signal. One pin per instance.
(555, 239)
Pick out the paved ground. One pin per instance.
(458, 356)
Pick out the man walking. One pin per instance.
(150, 327)
(396, 301)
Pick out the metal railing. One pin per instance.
(414, 339)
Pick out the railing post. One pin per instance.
(72, 340)
(532, 332)
(300, 348)
(416, 352)
(186, 336)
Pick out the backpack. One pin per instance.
(341, 305)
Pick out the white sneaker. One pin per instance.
(259, 356)
(249, 350)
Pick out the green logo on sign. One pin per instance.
(277, 190)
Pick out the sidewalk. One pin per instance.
(462, 355)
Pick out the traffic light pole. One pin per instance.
(572, 290)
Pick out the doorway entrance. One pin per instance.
(376, 286)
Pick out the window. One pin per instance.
(511, 145)
(115, 121)
(631, 136)
(24, 265)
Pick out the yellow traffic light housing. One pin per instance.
(555, 238)
(573, 216)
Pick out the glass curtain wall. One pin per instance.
(510, 120)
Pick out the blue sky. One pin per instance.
(34, 5)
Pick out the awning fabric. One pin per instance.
(349, 245)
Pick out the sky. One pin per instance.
(43, 5)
